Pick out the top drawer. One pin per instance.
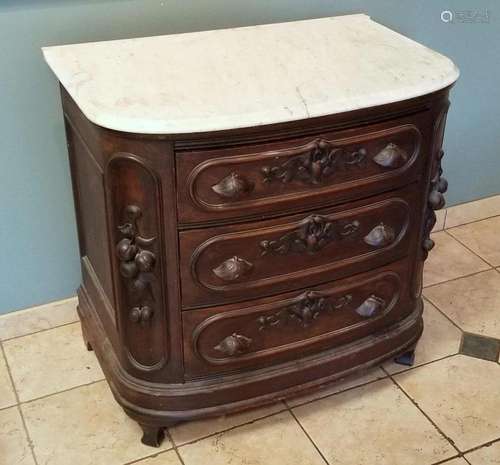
(297, 174)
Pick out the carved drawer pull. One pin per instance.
(233, 186)
(370, 306)
(391, 156)
(233, 345)
(313, 234)
(380, 236)
(141, 314)
(232, 269)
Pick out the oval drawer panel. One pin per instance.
(313, 319)
(233, 263)
(266, 178)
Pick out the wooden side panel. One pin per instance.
(138, 239)
(88, 181)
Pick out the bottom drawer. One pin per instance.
(291, 325)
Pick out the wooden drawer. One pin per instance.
(234, 263)
(295, 324)
(265, 179)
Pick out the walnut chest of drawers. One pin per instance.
(254, 207)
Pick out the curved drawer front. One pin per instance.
(247, 261)
(278, 328)
(239, 182)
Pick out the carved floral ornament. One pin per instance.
(303, 310)
(136, 265)
(317, 161)
(312, 164)
(313, 234)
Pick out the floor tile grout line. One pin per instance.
(307, 402)
(39, 331)
(308, 436)
(63, 391)
(460, 454)
(470, 250)
(187, 443)
(176, 449)
(286, 407)
(159, 453)
(445, 315)
(475, 448)
(466, 223)
(457, 278)
(18, 407)
(407, 369)
(8, 407)
(448, 460)
(147, 457)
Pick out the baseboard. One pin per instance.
(34, 319)
(468, 212)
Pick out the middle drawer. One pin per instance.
(246, 261)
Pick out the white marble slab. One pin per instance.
(251, 76)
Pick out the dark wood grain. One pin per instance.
(296, 251)
(226, 270)
(297, 323)
(262, 179)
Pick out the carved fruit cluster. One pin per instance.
(436, 201)
(136, 265)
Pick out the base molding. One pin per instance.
(161, 404)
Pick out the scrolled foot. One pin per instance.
(152, 435)
(407, 359)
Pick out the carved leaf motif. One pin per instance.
(380, 236)
(309, 306)
(232, 269)
(236, 344)
(233, 186)
(370, 306)
(391, 156)
(315, 162)
(305, 308)
(313, 234)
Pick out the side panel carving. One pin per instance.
(436, 187)
(135, 194)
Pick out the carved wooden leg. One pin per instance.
(152, 435)
(407, 358)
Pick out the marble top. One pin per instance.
(249, 76)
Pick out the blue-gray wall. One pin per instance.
(38, 258)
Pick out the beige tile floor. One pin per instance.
(56, 408)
